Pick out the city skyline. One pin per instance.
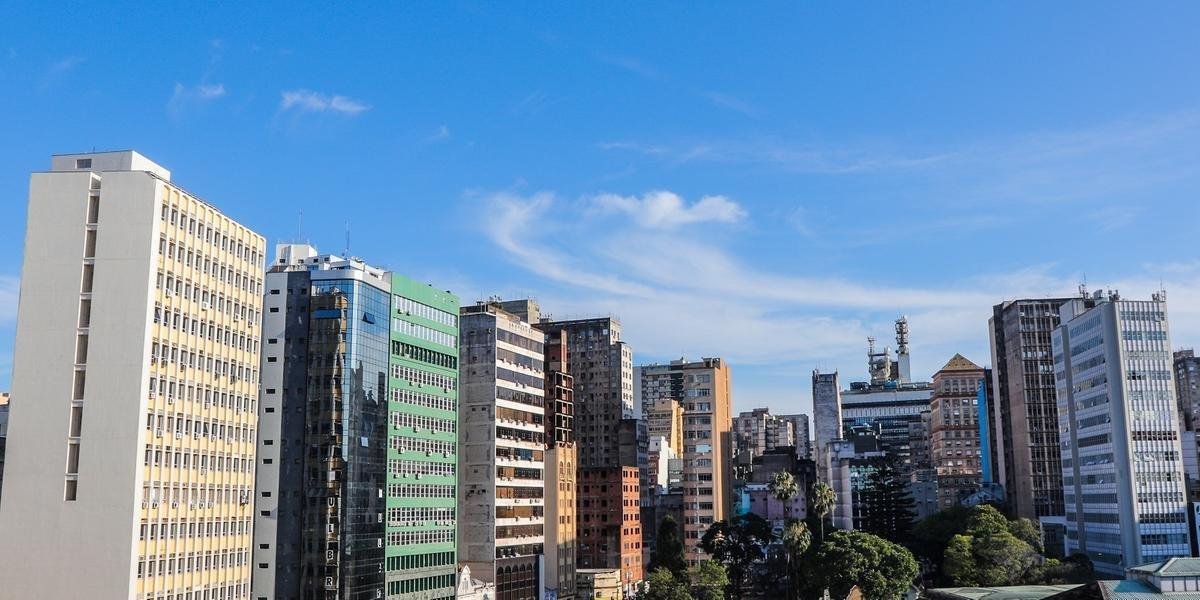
(809, 208)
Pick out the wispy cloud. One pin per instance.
(1114, 217)
(733, 103)
(59, 70)
(9, 291)
(184, 96)
(678, 294)
(302, 100)
(442, 134)
(667, 210)
(629, 63)
(779, 154)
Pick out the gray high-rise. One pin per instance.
(1124, 497)
(1025, 413)
(827, 415)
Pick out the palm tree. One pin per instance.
(821, 502)
(796, 539)
(783, 487)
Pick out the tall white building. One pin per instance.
(1120, 436)
(131, 451)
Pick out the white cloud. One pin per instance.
(184, 96)
(310, 101)
(443, 133)
(666, 210)
(1115, 217)
(9, 291)
(59, 70)
(677, 295)
(732, 103)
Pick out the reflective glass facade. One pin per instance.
(345, 439)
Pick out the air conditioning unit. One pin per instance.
(145, 504)
(158, 432)
(154, 504)
(174, 504)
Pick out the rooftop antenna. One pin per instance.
(347, 239)
(300, 227)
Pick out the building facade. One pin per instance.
(954, 434)
(704, 389)
(801, 433)
(1025, 413)
(827, 416)
(664, 418)
(357, 447)
(1125, 494)
(757, 432)
(601, 364)
(4, 398)
(130, 454)
(501, 525)
(562, 459)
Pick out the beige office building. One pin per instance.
(131, 452)
(704, 390)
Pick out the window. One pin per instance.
(83, 163)
(89, 244)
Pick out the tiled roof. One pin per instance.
(960, 363)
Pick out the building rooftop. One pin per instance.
(1017, 592)
(1172, 567)
(960, 363)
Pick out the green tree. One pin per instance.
(783, 487)
(708, 580)
(987, 553)
(931, 536)
(796, 541)
(740, 545)
(820, 501)
(662, 585)
(881, 570)
(886, 505)
(1027, 531)
(668, 549)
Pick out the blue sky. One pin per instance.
(769, 185)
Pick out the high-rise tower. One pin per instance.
(131, 450)
(1124, 495)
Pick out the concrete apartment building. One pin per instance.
(703, 387)
(1187, 389)
(358, 433)
(954, 434)
(802, 434)
(562, 459)
(1125, 496)
(757, 432)
(501, 521)
(601, 364)
(827, 416)
(130, 456)
(1025, 411)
